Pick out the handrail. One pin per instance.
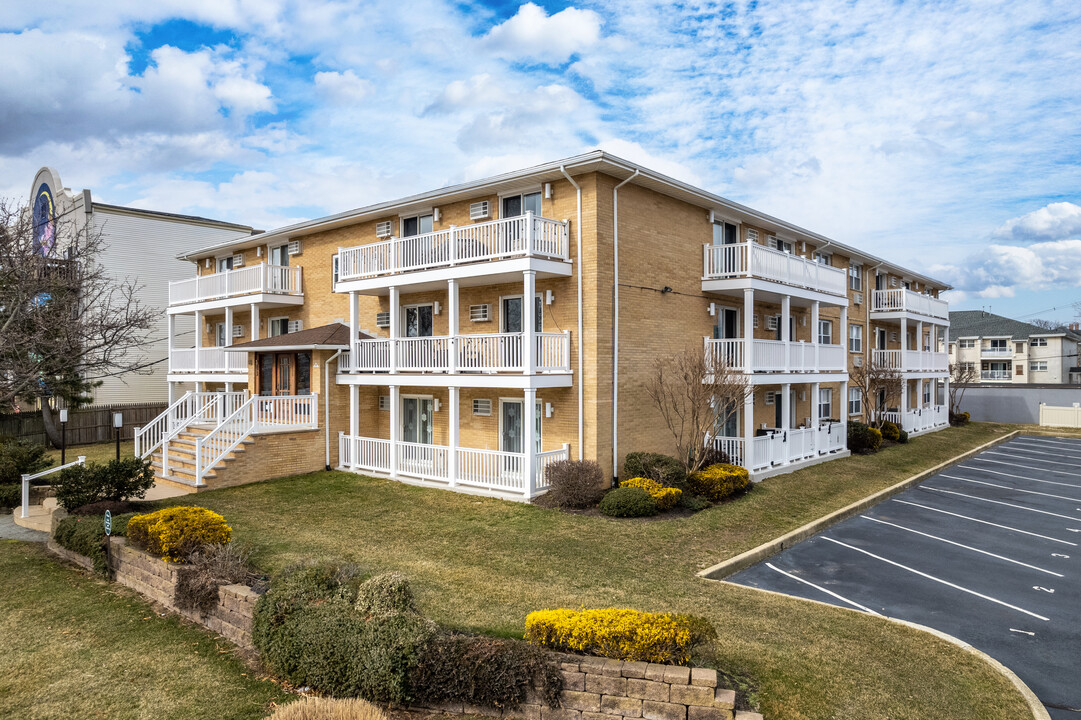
(27, 478)
(225, 445)
(152, 427)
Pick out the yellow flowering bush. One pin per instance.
(174, 533)
(617, 633)
(719, 481)
(665, 497)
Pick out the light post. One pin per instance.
(63, 435)
(118, 422)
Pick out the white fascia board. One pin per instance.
(443, 380)
(263, 300)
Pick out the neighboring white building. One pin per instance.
(1009, 351)
(141, 246)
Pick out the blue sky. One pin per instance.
(939, 135)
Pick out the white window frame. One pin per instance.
(219, 330)
(822, 258)
(855, 338)
(520, 192)
(402, 318)
(855, 401)
(828, 324)
(966, 343)
(218, 261)
(401, 413)
(270, 325)
(781, 245)
(1037, 342)
(539, 318)
(284, 248)
(1037, 366)
(415, 215)
(827, 404)
(521, 400)
(855, 277)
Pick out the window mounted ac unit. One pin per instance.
(382, 319)
(772, 322)
(295, 326)
(894, 282)
(752, 235)
(857, 298)
(479, 210)
(238, 331)
(893, 336)
(238, 260)
(857, 361)
(479, 313)
(769, 398)
(294, 247)
(482, 407)
(384, 229)
(384, 402)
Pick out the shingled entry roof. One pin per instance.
(328, 337)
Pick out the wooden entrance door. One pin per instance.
(284, 373)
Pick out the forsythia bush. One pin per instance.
(890, 431)
(665, 497)
(613, 632)
(175, 533)
(719, 481)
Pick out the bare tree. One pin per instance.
(961, 376)
(1045, 324)
(695, 395)
(880, 387)
(65, 322)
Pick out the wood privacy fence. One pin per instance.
(1057, 416)
(86, 426)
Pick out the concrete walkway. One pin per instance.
(10, 531)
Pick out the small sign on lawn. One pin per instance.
(108, 523)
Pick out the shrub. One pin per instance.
(617, 633)
(665, 497)
(484, 671)
(628, 502)
(10, 496)
(317, 708)
(960, 418)
(574, 483)
(211, 567)
(902, 436)
(175, 533)
(712, 455)
(386, 594)
(863, 439)
(890, 431)
(18, 457)
(665, 469)
(116, 480)
(718, 482)
(86, 536)
(694, 503)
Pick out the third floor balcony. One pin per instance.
(911, 360)
(261, 279)
(753, 261)
(776, 356)
(900, 300)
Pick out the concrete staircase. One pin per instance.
(182, 461)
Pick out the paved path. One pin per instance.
(10, 531)
(988, 550)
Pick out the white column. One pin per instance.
(748, 337)
(452, 324)
(529, 440)
(254, 321)
(395, 428)
(354, 410)
(786, 315)
(786, 409)
(919, 336)
(529, 335)
(904, 339)
(198, 337)
(843, 415)
(814, 330)
(453, 422)
(844, 331)
(919, 393)
(395, 329)
(170, 333)
(354, 320)
(228, 340)
(904, 400)
(815, 387)
(172, 393)
(748, 428)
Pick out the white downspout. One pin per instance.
(615, 328)
(578, 272)
(326, 402)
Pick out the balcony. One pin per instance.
(995, 375)
(784, 447)
(254, 280)
(207, 360)
(526, 236)
(751, 260)
(997, 352)
(487, 353)
(920, 419)
(911, 360)
(775, 356)
(901, 300)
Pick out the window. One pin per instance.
(334, 267)
(823, 258)
(926, 392)
(855, 338)
(416, 225)
(1038, 366)
(855, 277)
(725, 233)
(1020, 367)
(778, 244)
(280, 255)
(825, 403)
(825, 332)
(1038, 342)
(967, 343)
(515, 205)
(278, 326)
(999, 345)
(225, 263)
(968, 367)
(855, 401)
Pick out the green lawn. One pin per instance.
(72, 645)
(483, 564)
(100, 452)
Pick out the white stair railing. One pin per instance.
(27, 478)
(215, 445)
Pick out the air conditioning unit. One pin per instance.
(894, 282)
(384, 402)
(479, 313)
(238, 331)
(752, 235)
(893, 336)
(482, 407)
(238, 260)
(857, 361)
(773, 322)
(857, 298)
(294, 247)
(295, 326)
(479, 210)
(382, 319)
(384, 229)
(769, 398)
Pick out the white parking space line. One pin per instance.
(984, 522)
(1025, 467)
(1019, 477)
(1000, 502)
(966, 547)
(1056, 441)
(1012, 489)
(1039, 459)
(1043, 451)
(771, 566)
(935, 579)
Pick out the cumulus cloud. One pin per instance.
(533, 34)
(342, 88)
(1052, 222)
(1003, 270)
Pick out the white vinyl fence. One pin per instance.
(1056, 416)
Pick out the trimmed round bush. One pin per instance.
(665, 469)
(173, 534)
(665, 497)
(628, 502)
(317, 708)
(574, 483)
(116, 480)
(890, 431)
(719, 482)
(902, 437)
(863, 438)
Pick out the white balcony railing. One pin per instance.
(901, 300)
(752, 260)
(477, 353)
(919, 419)
(1000, 352)
(776, 356)
(207, 360)
(911, 360)
(784, 447)
(995, 375)
(261, 278)
(489, 469)
(524, 236)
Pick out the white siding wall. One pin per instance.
(144, 249)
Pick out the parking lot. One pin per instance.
(988, 550)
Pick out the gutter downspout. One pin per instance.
(581, 382)
(326, 402)
(615, 327)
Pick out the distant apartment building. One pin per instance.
(1001, 350)
(139, 245)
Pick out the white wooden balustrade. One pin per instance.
(919, 419)
(910, 360)
(752, 260)
(193, 408)
(770, 355)
(784, 447)
(476, 353)
(902, 300)
(207, 360)
(523, 236)
(261, 278)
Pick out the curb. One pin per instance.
(772, 547)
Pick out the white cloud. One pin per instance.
(342, 88)
(532, 34)
(1002, 270)
(1052, 222)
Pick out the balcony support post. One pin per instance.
(844, 333)
(394, 328)
(453, 422)
(748, 428)
(354, 317)
(904, 340)
(843, 415)
(529, 442)
(452, 327)
(395, 428)
(354, 421)
(228, 336)
(529, 320)
(814, 332)
(786, 335)
(198, 337)
(170, 332)
(919, 393)
(254, 321)
(748, 337)
(904, 400)
(816, 388)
